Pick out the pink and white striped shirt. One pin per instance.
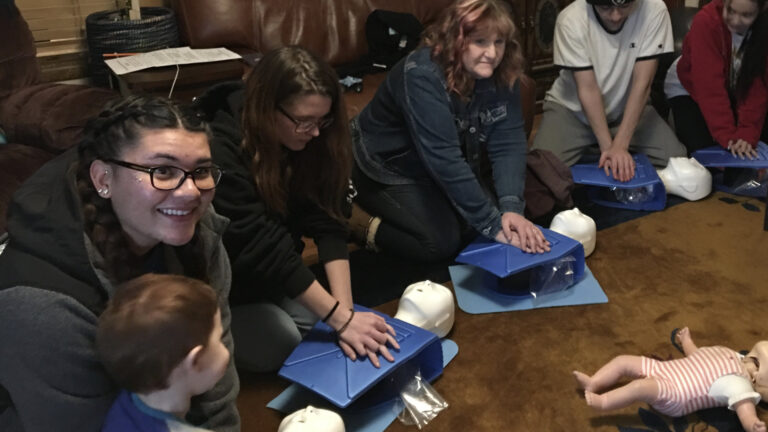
(684, 384)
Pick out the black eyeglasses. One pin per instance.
(167, 177)
(305, 126)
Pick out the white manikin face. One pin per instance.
(686, 178)
(578, 226)
(311, 419)
(427, 305)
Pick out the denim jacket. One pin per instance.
(415, 130)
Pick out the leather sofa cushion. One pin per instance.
(333, 29)
(17, 162)
(51, 116)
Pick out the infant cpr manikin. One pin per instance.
(311, 419)
(427, 305)
(578, 226)
(686, 178)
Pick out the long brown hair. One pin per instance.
(150, 325)
(119, 126)
(320, 172)
(755, 52)
(449, 36)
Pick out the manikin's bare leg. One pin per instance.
(641, 390)
(611, 373)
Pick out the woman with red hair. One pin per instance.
(440, 150)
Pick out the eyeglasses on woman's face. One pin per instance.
(306, 126)
(168, 177)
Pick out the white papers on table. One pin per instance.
(168, 57)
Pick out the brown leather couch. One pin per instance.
(40, 120)
(333, 29)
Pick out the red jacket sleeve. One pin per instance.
(709, 50)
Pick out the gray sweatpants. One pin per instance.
(266, 333)
(562, 133)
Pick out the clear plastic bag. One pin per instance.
(745, 181)
(419, 402)
(552, 277)
(633, 195)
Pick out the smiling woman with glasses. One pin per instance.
(119, 206)
(284, 143)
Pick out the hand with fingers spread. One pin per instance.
(521, 233)
(619, 162)
(365, 334)
(740, 148)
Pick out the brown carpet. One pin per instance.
(700, 264)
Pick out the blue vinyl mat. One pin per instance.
(475, 295)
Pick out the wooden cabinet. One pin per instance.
(535, 20)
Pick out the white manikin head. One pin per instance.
(578, 226)
(311, 419)
(686, 178)
(427, 305)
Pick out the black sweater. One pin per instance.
(264, 248)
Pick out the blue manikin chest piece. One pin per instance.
(319, 364)
(503, 261)
(601, 188)
(717, 156)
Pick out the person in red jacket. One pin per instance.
(720, 79)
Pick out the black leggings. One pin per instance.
(418, 221)
(690, 126)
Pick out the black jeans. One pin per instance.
(690, 126)
(418, 221)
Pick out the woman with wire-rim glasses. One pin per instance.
(284, 142)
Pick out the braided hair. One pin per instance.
(119, 126)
